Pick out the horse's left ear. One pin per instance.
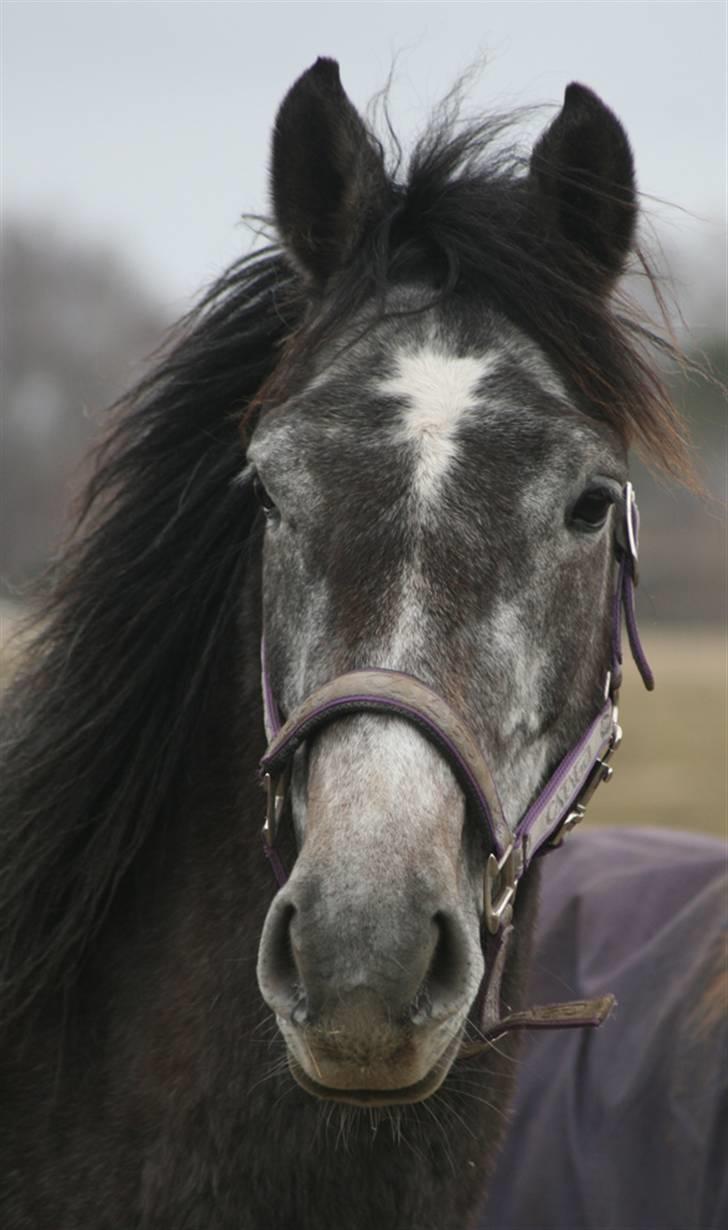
(582, 180)
(328, 181)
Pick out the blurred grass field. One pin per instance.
(672, 768)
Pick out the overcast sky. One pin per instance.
(146, 125)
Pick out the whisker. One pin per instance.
(311, 1056)
(290, 1089)
(498, 1110)
(428, 1105)
(480, 1037)
(450, 1109)
(278, 1068)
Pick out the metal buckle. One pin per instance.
(575, 816)
(276, 790)
(602, 772)
(501, 877)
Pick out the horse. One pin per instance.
(389, 448)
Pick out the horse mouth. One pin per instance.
(417, 1092)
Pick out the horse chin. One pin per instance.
(374, 1097)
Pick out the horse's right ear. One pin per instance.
(582, 181)
(328, 181)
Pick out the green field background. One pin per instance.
(672, 767)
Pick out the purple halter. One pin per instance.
(559, 807)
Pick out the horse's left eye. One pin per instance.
(261, 495)
(591, 509)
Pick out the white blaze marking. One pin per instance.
(438, 389)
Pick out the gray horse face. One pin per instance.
(437, 503)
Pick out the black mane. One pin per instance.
(99, 722)
(96, 726)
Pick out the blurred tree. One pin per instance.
(683, 544)
(74, 332)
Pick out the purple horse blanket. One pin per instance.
(625, 1127)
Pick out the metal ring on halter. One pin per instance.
(631, 521)
(501, 877)
(276, 790)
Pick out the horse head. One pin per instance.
(442, 494)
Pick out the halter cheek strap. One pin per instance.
(560, 805)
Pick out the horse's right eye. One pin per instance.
(261, 495)
(590, 511)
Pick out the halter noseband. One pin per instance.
(558, 808)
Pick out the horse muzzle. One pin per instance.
(369, 987)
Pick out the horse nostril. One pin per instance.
(278, 972)
(299, 1011)
(443, 986)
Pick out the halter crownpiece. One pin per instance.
(557, 809)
